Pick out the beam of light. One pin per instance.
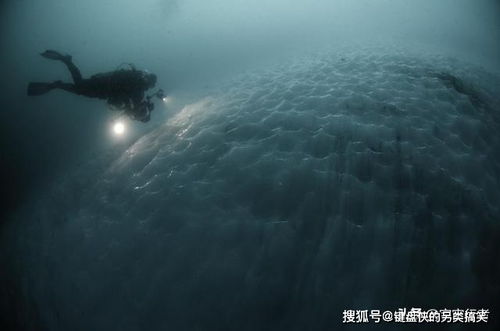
(119, 128)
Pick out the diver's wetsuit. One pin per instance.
(115, 86)
(123, 89)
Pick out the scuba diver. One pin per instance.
(123, 89)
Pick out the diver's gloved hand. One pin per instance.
(146, 118)
(140, 112)
(143, 117)
(160, 94)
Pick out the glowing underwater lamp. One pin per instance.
(118, 128)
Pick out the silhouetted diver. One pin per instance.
(123, 89)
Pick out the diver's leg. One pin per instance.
(84, 88)
(36, 88)
(75, 72)
(67, 60)
(66, 87)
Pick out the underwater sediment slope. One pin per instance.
(339, 182)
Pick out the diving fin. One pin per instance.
(39, 88)
(54, 55)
